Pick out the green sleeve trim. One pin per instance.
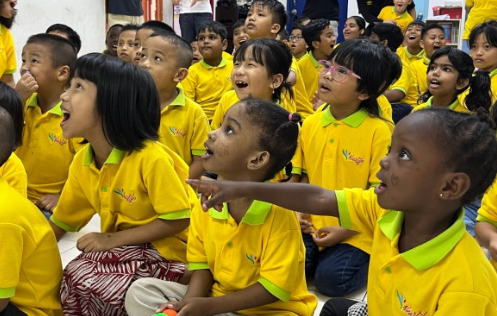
(198, 266)
(343, 210)
(198, 152)
(276, 291)
(176, 215)
(9, 72)
(399, 88)
(296, 170)
(374, 184)
(7, 292)
(64, 226)
(481, 218)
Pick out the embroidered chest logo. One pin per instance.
(253, 259)
(406, 308)
(55, 139)
(130, 198)
(177, 132)
(349, 157)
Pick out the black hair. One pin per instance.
(278, 11)
(114, 26)
(62, 52)
(390, 32)
(11, 101)
(4, 21)
(238, 23)
(489, 29)
(278, 131)
(71, 34)
(130, 27)
(474, 151)
(283, 33)
(184, 52)
(300, 21)
(312, 31)
(416, 22)
(156, 26)
(7, 135)
(127, 99)
(429, 27)
(377, 66)
(359, 20)
(272, 54)
(298, 27)
(215, 27)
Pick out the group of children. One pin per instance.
(118, 134)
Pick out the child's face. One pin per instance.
(259, 22)
(36, 59)
(196, 53)
(327, 41)
(351, 30)
(484, 54)
(297, 43)
(442, 78)
(239, 36)
(401, 5)
(126, 45)
(413, 36)
(434, 40)
(140, 37)
(81, 118)
(8, 8)
(211, 45)
(112, 39)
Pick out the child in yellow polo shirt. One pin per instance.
(7, 50)
(45, 152)
(209, 79)
(184, 126)
(423, 262)
(134, 183)
(412, 51)
(248, 259)
(239, 34)
(397, 14)
(30, 264)
(298, 45)
(143, 32)
(486, 225)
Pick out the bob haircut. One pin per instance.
(12, 103)
(127, 99)
(489, 29)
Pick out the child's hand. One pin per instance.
(195, 306)
(305, 223)
(94, 242)
(26, 86)
(214, 193)
(331, 235)
(48, 202)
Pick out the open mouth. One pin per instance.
(66, 115)
(412, 37)
(208, 152)
(241, 84)
(434, 83)
(324, 88)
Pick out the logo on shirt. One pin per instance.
(177, 132)
(349, 157)
(406, 308)
(55, 139)
(253, 259)
(130, 198)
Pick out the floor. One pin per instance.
(68, 251)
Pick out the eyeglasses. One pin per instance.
(295, 38)
(339, 73)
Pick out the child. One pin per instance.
(260, 71)
(432, 39)
(196, 57)
(112, 39)
(239, 34)
(397, 14)
(184, 126)
(132, 182)
(126, 43)
(412, 51)
(298, 45)
(422, 260)
(208, 80)
(66, 32)
(354, 27)
(12, 171)
(143, 32)
(282, 36)
(7, 51)
(261, 270)
(340, 146)
(47, 60)
(29, 260)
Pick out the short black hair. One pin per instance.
(277, 10)
(130, 27)
(114, 26)
(184, 52)
(416, 22)
(11, 101)
(62, 52)
(72, 35)
(312, 31)
(238, 23)
(215, 27)
(7, 136)
(390, 32)
(156, 26)
(429, 27)
(127, 99)
(4, 21)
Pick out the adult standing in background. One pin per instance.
(323, 9)
(478, 12)
(124, 12)
(192, 14)
(8, 62)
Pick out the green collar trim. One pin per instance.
(180, 99)
(426, 59)
(353, 120)
(114, 158)
(418, 55)
(256, 214)
(207, 66)
(451, 107)
(33, 102)
(492, 73)
(313, 60)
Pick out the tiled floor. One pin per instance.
(68, 251)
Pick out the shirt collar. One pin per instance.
(180, 98)
(492, 73)
(207, 66)
(451, 107)
(33, 102)
(418, 55)
(431, 252)
(353, 120)
(114, 158)
(426, 60)
(313, 60)
(256, 214)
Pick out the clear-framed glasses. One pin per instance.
(295, 38)
(339, 73)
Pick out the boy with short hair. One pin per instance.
(209, 79)
(298, 45)
(397, 14)
(184, 126)
(196, 53)
(45, 153)
(126, 42)
(320, 39)
(66, 32)
(412, 51)
(29, 260)
(239, 34)
(143, 32)
(111, 39)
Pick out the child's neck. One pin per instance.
(414, 50)
(101, 151)
(443, 101)
(166, 97)
(47, 100)
(398, 13)
(214, 62)
(341, 112)
(318, 55)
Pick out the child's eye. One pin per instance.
(488, 46)
(341, 70)
(404, 155)
(34, 61)
(202, 38)
(157, 58)
(229, 130)
(432, 68)
(446, 69)
(212, 38)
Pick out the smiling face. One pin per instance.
(239, 36)
(484, 54)
(196, 53)
(433, 40)
(401, 6)
(351, 29)
(413, 35)
(126, 45)
(112, 39)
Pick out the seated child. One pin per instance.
(143, 32)
(411, 50)
(397, 14)
(126, 43)
(112, 39)
(239, 34)
(298, 45)
(196, 53)
(66, 32)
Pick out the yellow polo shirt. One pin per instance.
(420, 71)
(30, 264)
(309, 69)
(130, 190)
(448, 275)
(385, 110)
(403, 53)
(265, 247)
(488, 211)
(403, 20)
(184, 127)
(407, 84)
(227, 56)
(14, 173)
(481, 11)
(45, 153)
(206, 84)
(8, 62)
(303, 105)
(456, 106)
(342, 154)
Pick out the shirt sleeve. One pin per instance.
(10, 53)
(189, 85)
(488, 208)
(196, 255)
(11, 249)
(201, 131)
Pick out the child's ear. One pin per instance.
(455, 186)
(315, 44)
(225, 44)
(63, 73)
(181, 74)
(462, 84)
(421, 43)
(363, 96)
(276, 81)
(258, 160)
(275, 29)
